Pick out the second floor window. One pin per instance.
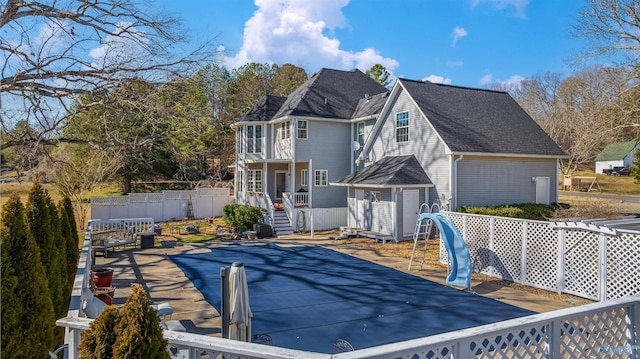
(402, 127)
(254, 139)
(304, 178)
(302, 130)
(361, 133)
(285, 130)
(321, 178)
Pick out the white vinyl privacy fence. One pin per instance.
(163, 206)
(587, 264)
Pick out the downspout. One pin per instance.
(454, 200)
(352, 151)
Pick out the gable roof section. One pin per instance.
(617, 151)
(391, 171)
(264, 110)
(370, 106)
(480, 121)
(330, 94)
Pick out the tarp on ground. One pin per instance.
(307, 297)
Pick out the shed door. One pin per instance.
(410, 208)
(542, 190)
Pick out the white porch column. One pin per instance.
(310, 174)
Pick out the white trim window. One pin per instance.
(285, 130)
(375, 196)
(360, 133)
(304, 178)
(254, 139)
(322, 178)
(302, 130)
(402, 126)
(254, 180)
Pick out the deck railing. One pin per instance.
(594, 330)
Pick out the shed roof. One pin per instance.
(617, 151)
(389, 171)
(480, 120)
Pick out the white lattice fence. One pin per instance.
(535, 254)
(623, 266)
(542, 259)
(581, 258)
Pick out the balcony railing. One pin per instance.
(594, 330)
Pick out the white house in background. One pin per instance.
(470, 147)
(620, 154)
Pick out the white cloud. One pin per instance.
(510, 83)
(458, 33)
(518, 5)
(437, 79)
(486, 79)
(125, 48)
(455, 63)
(295, 31)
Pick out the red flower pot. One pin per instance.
(102, 277)
(105, 294)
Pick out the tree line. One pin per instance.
(39, 247)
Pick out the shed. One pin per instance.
(620, 154)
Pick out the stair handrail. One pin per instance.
(288, 206)
(271, 210)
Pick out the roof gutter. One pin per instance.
(514, 155)
(421, 185)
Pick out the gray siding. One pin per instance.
(328, 144)
(423, 143)
(486, 181)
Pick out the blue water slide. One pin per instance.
(459, 257)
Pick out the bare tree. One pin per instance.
(55, 51)
(612, 27)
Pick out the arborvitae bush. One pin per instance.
(70, 261)
(133, 332)
(97, 342)
(138, 330)
(241, 217)
(58, 273)
(28, 320)
(73, 242)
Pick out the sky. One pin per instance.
(470, 43)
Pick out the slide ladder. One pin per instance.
(459, 258)
(421, 236)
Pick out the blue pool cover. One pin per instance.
(306, 297)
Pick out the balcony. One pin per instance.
(590, 330)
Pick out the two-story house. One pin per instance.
(454, 145)
(290, 149)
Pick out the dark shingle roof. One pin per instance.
(477, 120)
(392, 170)
(371, 105)
(616, 151)
(330, 94)
(264, 110)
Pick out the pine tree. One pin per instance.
(139, 334)
(97, 342)
(58, 273)
(71, 246)
(72, 250)
(28, 320)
